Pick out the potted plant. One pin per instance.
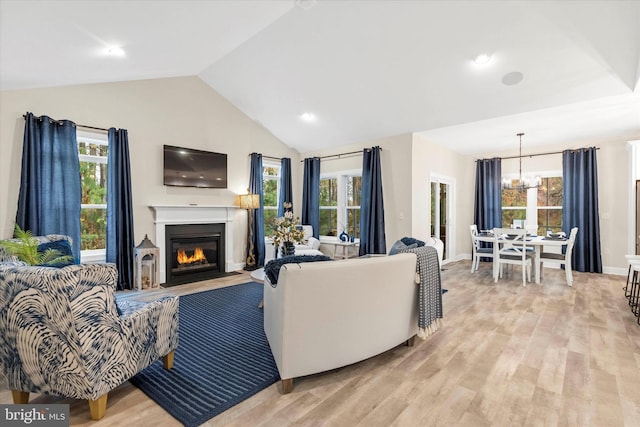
(25, 248)
(287, 231)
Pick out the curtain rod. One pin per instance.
(534, 155)
(339, 156)
(268, 157)
(24, 116)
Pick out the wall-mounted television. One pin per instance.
(187, 167)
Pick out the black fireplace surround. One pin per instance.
(194, 252)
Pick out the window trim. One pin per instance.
(341, 207)
(92, 255)
(277, 178)
(531, 208)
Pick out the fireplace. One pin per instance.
(194, 252)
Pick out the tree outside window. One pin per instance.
(92, 153)
(340, 205)
(549, 200)
(329, 207)
(270, 193)
(514, 206)
(354, 191)
(541, 205)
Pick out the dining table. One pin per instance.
(535, 242)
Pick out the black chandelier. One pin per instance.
(525, 182)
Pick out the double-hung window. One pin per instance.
(329, 206)
(270, 194)
(541, 206)
(92, 153)
(340, 204)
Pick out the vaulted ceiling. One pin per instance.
(560, 71)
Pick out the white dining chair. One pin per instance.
(477, 251)
(561, 259)
(512, 250)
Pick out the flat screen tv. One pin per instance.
(186, 167)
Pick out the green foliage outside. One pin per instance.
(93, 220)
(549, 202)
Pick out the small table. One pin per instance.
(258, 276)
(346, 249)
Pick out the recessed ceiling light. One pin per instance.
(115, 51)
(308, 117)
(482, 59)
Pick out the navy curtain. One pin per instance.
(487, 209)
(286, 188)
(255, 187)
(50, 187)
(311, 195)
(372, 235)
(120, 243)
(580, 207)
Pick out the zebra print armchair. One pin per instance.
(63, 333)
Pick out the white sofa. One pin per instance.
(324, 315)
(311, 247)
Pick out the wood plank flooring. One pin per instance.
(541, 355)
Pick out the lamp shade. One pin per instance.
(250, 201)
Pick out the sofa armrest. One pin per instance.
(157, 319)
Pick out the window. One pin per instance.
(541, 206)
(92, 153)
(329, 207)
(270, 194)
(354, 191)
(549, 197)
(340, 205)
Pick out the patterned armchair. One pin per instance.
(63, 333)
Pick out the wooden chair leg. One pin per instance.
(287, 385)
(98, 407)
(20, 397)
(167, 361)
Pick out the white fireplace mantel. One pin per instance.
(193, 214)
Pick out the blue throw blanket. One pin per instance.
(272, 269)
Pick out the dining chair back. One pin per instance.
(561, 259)
(477, 250)
(513, 250)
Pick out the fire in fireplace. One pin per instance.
(194, 252)
(187, 260)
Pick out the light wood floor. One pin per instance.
(508, 356)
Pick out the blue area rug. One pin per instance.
(223, 356)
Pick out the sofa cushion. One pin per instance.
(410, 241)
(397, 246)
(64, 249)
(313, 243)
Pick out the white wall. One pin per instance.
(177, 111)
(396, 179)
(429, 159)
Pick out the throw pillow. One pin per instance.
(64, 249)
(410, 241)
(313, 243)
(396, 247)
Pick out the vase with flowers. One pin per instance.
(287, 231)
